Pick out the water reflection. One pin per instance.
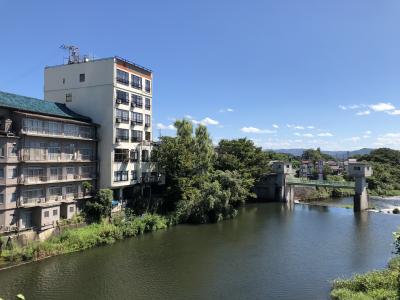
(270, 251)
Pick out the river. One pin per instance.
(268, 252)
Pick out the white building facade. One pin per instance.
(117, 95)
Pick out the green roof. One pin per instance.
(33, 105)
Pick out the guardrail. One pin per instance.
(323, 183)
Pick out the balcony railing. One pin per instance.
(47, 132)
(59, 157)
(121, 120)
(137, 104)
(148, 107)
(137, 122)
(37, 201)
(46, 179)
(136, 139)
(136, 85)
(121, 139)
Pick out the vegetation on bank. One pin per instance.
(383, 284)
(96, 234)
(204, 184)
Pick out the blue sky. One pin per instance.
(286, 74)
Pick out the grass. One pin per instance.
(382, 284)
(93, 235)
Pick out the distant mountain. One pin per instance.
(336, 154)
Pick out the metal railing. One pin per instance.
(322, 183)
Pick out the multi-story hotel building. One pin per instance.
(46, 152)
(117, 95)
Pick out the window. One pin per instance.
(145, 155)
(63, 81)
(2, 152)
(86, 154)
(1, 198)
(134, 155)
(31, 195)
(120, 175)
(46, 214)
(148, 103)
(12, 173)
(133, 175)
(69, 151)
(122, 135)
(70, 172)
(136, 81)
(137, 118)
(82, 77)
(55, 212)
(71, 130)
(121, 155)
(148, 136)
(55, 173)
(1, 173)
(55, 191)
(13, 150)
(147, 122)
(68, 97)
(122, 116)
(55, 128)
(137, 136)
(122, 97)
(86, 171)
(54, 151)
(147, 86)
(122, 77)
(86, 132)
(71, 209)
(13, 197)
(137, 101)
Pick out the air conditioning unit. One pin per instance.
(59, 198)
(118, 120)
(133, 105)
(118, 140)
(76, 176)
(119, 101)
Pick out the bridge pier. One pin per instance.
(283, 191)
(360, 171)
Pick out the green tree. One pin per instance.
(99, 206)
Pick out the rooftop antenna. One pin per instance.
(73, 51)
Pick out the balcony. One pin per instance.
(59, 134)
(56, 158)
(123, 81)
(147, 125)
(31, 180)
(49, 200)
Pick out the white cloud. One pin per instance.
(395, 112)
(311, 127)
(206, 121)
(325, 134)
(354, 106)
(342, 107)
(363, 113)
(382, 106)
(308, 135)
(224, 110)
(388, 140)
(368, 132)
(298, 127)
(275, 126)
(256, 130)
(297, 134)
(165, 127)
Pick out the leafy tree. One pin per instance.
(99, 206)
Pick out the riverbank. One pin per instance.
(79, 239)
(381, 284)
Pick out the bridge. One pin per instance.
(321, 183)
(279, 186)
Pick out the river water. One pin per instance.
(269, 251)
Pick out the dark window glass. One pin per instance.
(136, 81)
(147, 86)
(137, 101)
(148, 103)
(137, 136)
(122, 97)
(122, 77)
(82, 77)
